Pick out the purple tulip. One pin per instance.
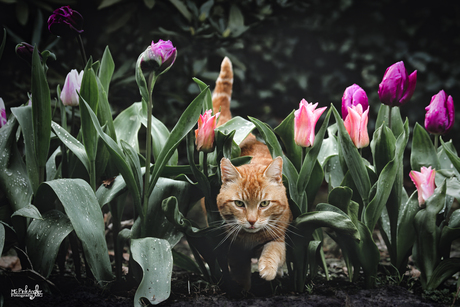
(65, 22)
(24, 51)
(397, 87)
(159, 56)
(353, 96)
(440, 114)
(3, 119)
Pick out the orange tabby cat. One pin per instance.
(252, 199)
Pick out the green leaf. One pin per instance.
(183, 126)
(241, 127)
(89, 93)
(180, 6)
(442, 272)
(72, 144)
(236, 21)
(83, 211)
(106, 70)
(383, 147)
(285, 131)
(155, 258)
(185, 262)
(118, 157)
(24, 117)
(2, 238)
(133, 160)
(397, 125)
(452, 156)
(353, 159)
(127, 125)
(44, 237)
(207, 105)
(2, 45)
(423, 152)
(14, 180)
(28, 211)
(105, 194)
(41, 110)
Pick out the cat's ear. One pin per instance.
(229, 172)
(275, 170)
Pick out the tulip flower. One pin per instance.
(3, 118)
(204, 135)
(72, 84)
(397, 86)
(159, 56)
(353, 96)
(65, 22)
(356, 125)
(440, 114)
(424, 182)
(305, 119)
(24, 51)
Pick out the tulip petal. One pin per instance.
(410, 88)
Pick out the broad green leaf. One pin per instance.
(72, 144)
(44, 237)
(41, 111)
(329, 148)
(241, 127)
(83, 210)
(450, 232)
(207, 105)
(52, 171)
(180, 6)
(127, 125)
(353, 159)
(183, 126)
(118, 157)
(383, 147)
(106, 70)
(2, 236)
(442, 272)
(28, 211)
(184, 262)
(155, 258)
(14, 179)
(105, 194)
(423, 152)
(24, 117)
(236, 21)
(133, 160)
(397, 125)
(452, 156)
(285, 131)
(89, 92)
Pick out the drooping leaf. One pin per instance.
(285, 131)
(155, 258)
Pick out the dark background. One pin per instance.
(282, 51)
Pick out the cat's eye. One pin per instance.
(239, 203)
(264, 203)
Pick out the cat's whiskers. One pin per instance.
(232, 229)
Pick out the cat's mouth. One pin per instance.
(251, 229)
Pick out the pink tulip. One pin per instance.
(440, 114)
(159, 56)
(356, 125)
(352, 96)
(72, 84)
(3, 118)
(305, 119)
(424, 182)
(204, 135)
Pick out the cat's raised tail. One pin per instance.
(223, 92)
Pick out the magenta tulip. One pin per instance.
(440, 114)
(159, 56)
(356, 125)
(72, 84)
(424, 182)
(397, 87)
(305, 119)
(3, 119)
(65, 22)
(204, 135)
(353, 96)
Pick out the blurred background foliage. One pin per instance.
(282, 51)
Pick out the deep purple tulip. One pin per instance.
(440, 114)
(158, 56)
(397, 87)
(353, 96)
(24, 51)
(65, 22)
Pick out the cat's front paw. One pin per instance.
(267, 269)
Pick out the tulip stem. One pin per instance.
(389, 118)
(82, 49)
(436, 141)
(148, 144)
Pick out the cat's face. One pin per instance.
(252, 197)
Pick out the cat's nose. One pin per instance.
(252, 222)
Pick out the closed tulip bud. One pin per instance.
(65, 22)
(353, 96)
(3, 119)
(204, 135)
(397, 87)
(72, 84)
(440, 114)
(356, 125)
(305, 119)
(24, 51)
(424, 182)
(158, 57)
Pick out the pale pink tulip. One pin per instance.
(305, 119)
(424, 182)
(204, 135)
(72, 84)
(356, 125)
